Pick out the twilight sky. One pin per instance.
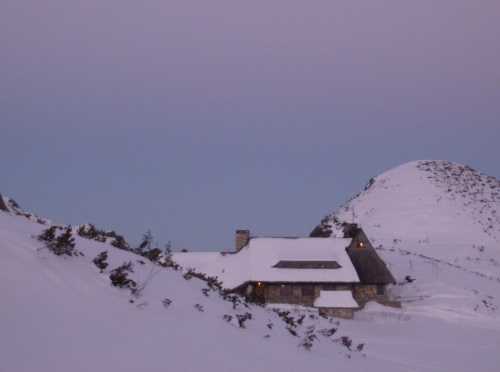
(197, 118)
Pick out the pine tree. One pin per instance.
(65, 243)
(169, 257)
(147, 241)
(48, 235)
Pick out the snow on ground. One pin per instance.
(438, 209)
(437, 226)
(62, 314)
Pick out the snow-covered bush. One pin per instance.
(119, 242)
(64, 244)
(242, 318)
(100, 260)
(152, 255)
(91, 233)
(119, 276)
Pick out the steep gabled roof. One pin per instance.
(369, 266)
(258, 262)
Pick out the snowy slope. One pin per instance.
(61, 313)
(439, 209)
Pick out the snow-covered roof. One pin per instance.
(341, 299)
(255, 261)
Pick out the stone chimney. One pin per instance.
(242, 237)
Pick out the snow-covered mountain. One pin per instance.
(62, 313)
(10, 206)
(438, 209)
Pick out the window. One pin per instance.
(380, 289)
(307, 290)
(286, 290)
(307, 265)
(360, 245)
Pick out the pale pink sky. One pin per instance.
(162, 115)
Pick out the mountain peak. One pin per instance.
(436, 207)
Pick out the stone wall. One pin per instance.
(362, 293)
(272, 293)
(366, 292)
(337, 312)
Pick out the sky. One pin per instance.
(194, 119)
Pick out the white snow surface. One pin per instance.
(342, 299)
(61, 313)
(255, 261)
(439, 209)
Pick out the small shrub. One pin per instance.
(92, 233)
(64, 244)
(344, 340)
(307, 341)
(328, 332)
(199, 307)
(242, 318)
(48, 235)
(166, 302)
(119, 276)
(301, 319)
(189, 274)
(100, 260)
(153, 254)
(119, 242)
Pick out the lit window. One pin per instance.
(286, 290)
(360, 245)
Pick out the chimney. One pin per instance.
(242, 237)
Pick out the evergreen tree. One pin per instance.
(147, 241)
(169, 257)
(65, 243)
(48, 235)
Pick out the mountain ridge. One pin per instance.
(442, 209)
(57, 311)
